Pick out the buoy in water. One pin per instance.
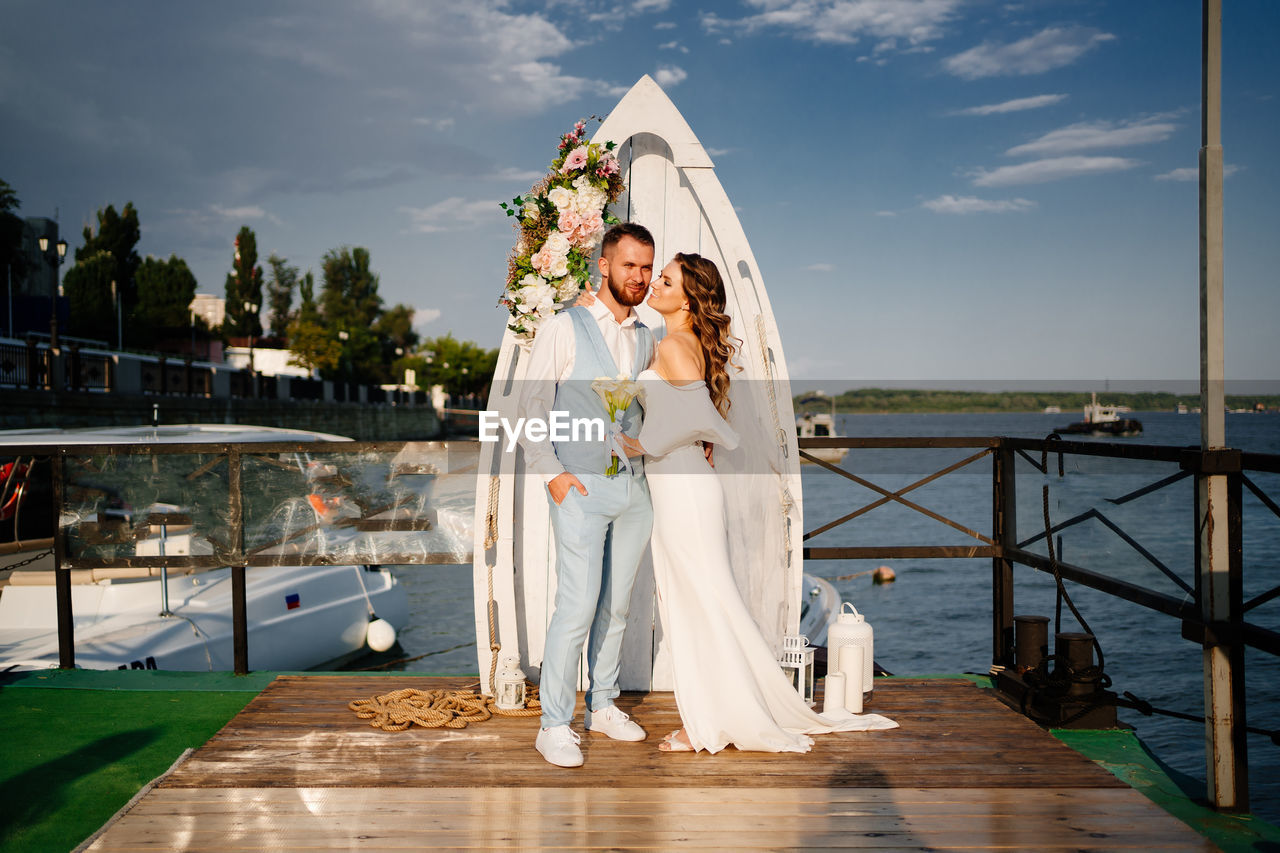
(883, 574)
(380, 635)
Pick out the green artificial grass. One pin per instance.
(1123, 754)
(73, 757)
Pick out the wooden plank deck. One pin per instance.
(297, 770)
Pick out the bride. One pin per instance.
(729, 688)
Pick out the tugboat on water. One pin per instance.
(1103, 420)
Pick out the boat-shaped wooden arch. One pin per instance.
(672, 189)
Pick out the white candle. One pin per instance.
(851, 667)
(833, 693)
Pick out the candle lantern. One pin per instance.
(510, 689)
(797, 663)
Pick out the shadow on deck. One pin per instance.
(296, 769)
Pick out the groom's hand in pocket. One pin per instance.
(561, 484)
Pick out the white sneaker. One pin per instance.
(559, 745)
(615, 723)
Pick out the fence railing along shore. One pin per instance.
(74, 366)
(232, 475)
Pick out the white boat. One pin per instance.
(819, 425)
(299, 617)
(1102, 420)
(674, 192)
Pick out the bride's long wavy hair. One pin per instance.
(704, 289)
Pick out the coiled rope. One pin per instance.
(434, 709)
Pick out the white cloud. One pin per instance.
(436, 123)
(971, 204)
(844, 21)
(247, 212)
(718, 152)
(1050, 169)
(650, 5)
(423, 317)
(886, 213)
(669, 75)
(1052, 47)
(673, 45)
(1087, 135)
(820, 268)
(1016, 105)
(452, 214)
(1192, 173)
(665, 25)
(510, 174)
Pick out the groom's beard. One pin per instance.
(625, 297)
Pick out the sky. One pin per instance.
(935, 190)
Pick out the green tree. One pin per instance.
(165, 291)
(107, 256)
(394, 329)
(462, 367)
(311, 346)
(244, 285)
(350, 305)
(11, 256)
(87, 286)
(280, 288)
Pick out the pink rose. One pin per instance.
(569, 220)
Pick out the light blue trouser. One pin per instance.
(599, 541)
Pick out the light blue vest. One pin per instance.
(592, 359)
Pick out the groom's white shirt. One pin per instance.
(551, 362)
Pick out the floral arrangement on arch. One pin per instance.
(561, 221)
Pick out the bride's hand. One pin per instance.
(633, 447)
(586, 299)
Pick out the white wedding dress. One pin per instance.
(729, 687)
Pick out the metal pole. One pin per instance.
(1004, 532)
(1223, 662)
(239, 608)
(61, 576)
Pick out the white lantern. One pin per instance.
(797, 663)
(509, 688)
(852, 630)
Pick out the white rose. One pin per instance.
(567, 288)
(560, 197)
(557, 246)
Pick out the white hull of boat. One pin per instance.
(832, 455)
(673, 191)
(299, 618)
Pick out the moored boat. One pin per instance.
(131, 616)
(1103, 420)
(819, 425)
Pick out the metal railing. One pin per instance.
(1006, 550)
(239, 472)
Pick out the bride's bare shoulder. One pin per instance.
(679, 358)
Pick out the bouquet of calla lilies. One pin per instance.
(617, 394)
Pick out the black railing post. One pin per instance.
(61, 576)
(1004, 530)
(239, 608)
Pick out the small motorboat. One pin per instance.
(128, 616)
(819, 425)
(1102, 420)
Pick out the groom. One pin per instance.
(601, 522)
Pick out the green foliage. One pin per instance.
(310, 344)
(87, 286)
(462, 367)
(11, 255)
(244, 284)
(284, 280)
(108, 255)
(350, 306)
(165, 291)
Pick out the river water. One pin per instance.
(936, 617)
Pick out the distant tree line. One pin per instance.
(344, 331)
(907, 400)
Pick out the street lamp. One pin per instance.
(115, 297)
(61, 246)
(249, 310)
